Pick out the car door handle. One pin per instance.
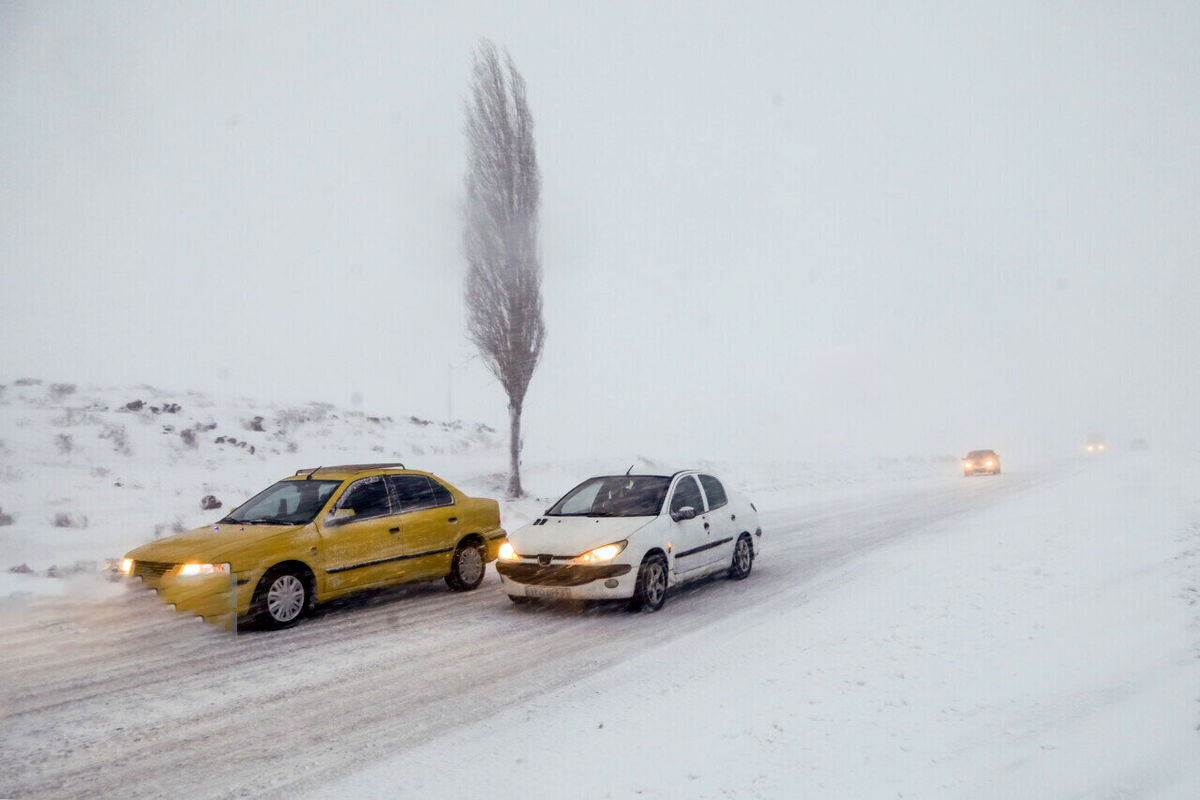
(393, 530)
(452, 519)
(733, 517)
(706, 526)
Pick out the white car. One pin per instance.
(631, 537)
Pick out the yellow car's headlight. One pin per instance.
(968, 464)
(507, 552)
(126, 566)
(605, 552)
(188, 570)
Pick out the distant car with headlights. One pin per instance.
(981, 462)
(1139, 445)
(631, 537)
(1095, 444)
(320, 534)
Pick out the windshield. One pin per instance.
(285, 503)
(614, 496)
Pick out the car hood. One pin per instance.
(212, 543)
(571, 536)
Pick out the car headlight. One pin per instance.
(507, 552)
(606, 552)
(126, 566)
(968, 464)
(1099, 447)
(203, 569)
(989, 463)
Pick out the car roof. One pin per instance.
(978, 453)
(348, 470)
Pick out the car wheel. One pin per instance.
(743, 558)
(466, 568)
(281, 598)
(651, 590)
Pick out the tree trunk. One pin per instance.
(514, 451)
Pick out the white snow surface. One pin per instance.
(1046, 647)
(905, 632)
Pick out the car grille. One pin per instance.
(150, 570)
(560, 574)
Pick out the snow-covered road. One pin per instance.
(122, 697)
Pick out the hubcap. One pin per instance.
(656, 583)
(285, 598)
(743, 555)
(470, 564)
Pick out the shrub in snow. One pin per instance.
(5, 519)
(255, 424)
(134, 405)
(117, 435)
(60, 390)
(64, 443)
(65, 520)
(27, 381)
(209, 502)
(21, 569)
(188, 436)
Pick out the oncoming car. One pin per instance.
(981, 462)
(631, 537)
(1095, 444)
(320, 534)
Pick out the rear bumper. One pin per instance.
(494, 540)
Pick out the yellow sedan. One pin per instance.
(321, 534)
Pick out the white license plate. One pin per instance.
(551, 592)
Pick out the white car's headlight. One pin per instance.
(507, 552)
(204, 569)
(605, 552)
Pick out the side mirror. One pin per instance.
(687, 512)
(339, 516)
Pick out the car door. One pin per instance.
(428, 523)
(361, 541)
(723, 527)
(689, 536)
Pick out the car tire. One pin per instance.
(650, 592)
(743, 558)
(467, 567)
(281, 598)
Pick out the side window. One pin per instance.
(687, 493)
(367, 498)
(441, 495)
(714, 491)
(412, 492)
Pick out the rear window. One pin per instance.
(714, 490)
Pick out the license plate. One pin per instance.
(550, 592)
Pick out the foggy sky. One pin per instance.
(768, 229)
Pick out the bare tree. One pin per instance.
(504, 272)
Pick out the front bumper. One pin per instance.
(208, 596)
(567, 581)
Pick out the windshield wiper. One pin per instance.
(262, 521)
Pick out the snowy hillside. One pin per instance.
(89, 473)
